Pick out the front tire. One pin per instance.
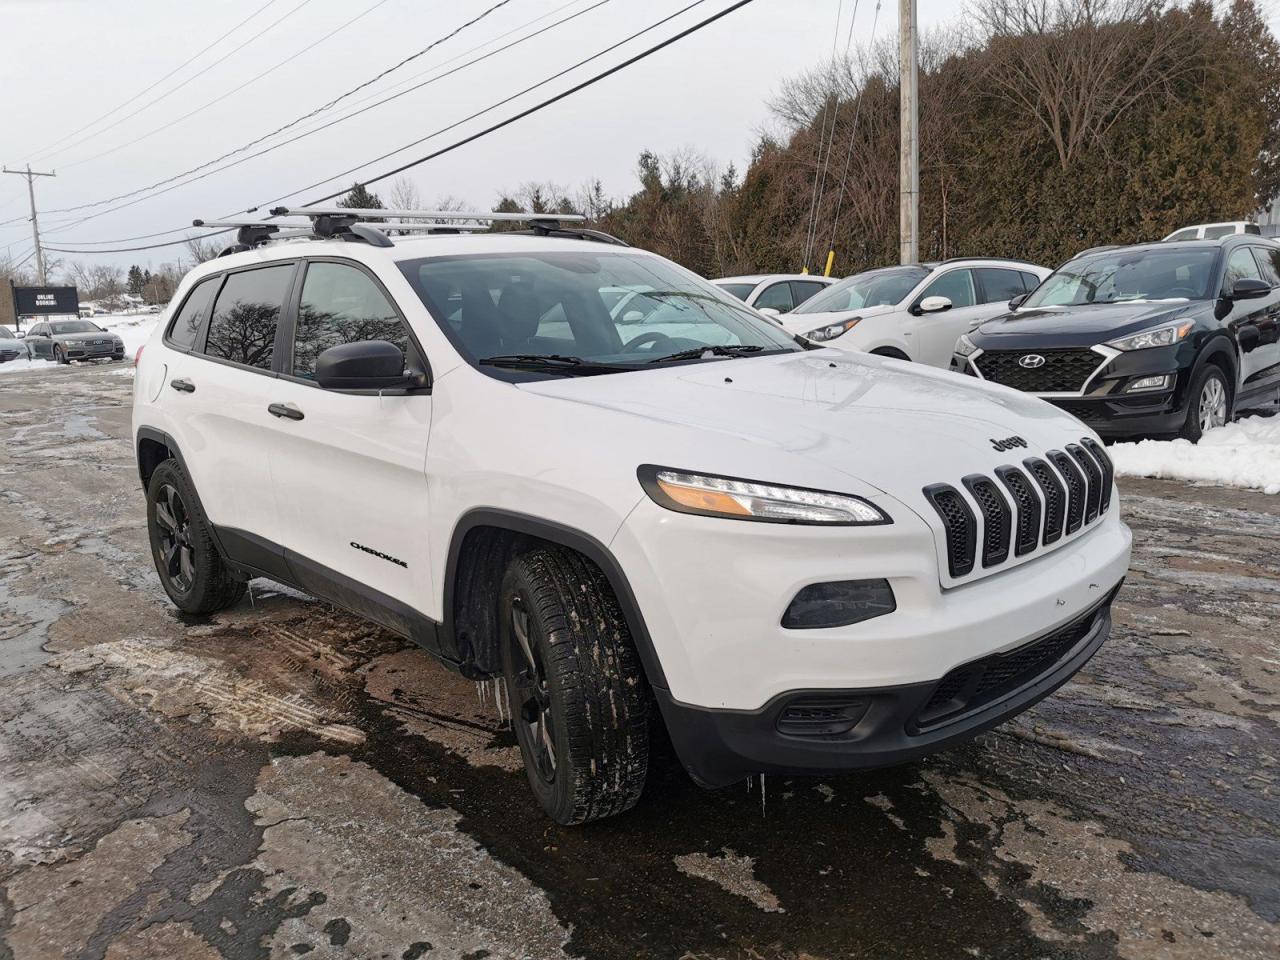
(190, 568)
(59, 356)
(1209, 403)
(575, 686)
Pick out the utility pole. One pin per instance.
(909, 170)
(35, 224)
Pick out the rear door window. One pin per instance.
(246, 314)
(802, 290)
(776, 297)
(185, 326)
(999, 285)
(1188, 234)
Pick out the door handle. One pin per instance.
(286, 410)
(183, 385)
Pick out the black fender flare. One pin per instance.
(565, 536)
(175, 453)
(1220, 346)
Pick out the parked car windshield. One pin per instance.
(6, 333)
(739, 290)
(1126, 275)
(870, 289)
(604, 309)
(75, 326)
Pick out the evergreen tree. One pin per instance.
(360, 197)
(136, 281)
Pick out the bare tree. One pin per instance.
(202, 248)
(404, 194)
(1073, 67)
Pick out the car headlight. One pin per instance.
(1164, 336)
(832, 330)
(735, 499)
(965, 347)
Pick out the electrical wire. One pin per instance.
(199, 73)
(822, 144)
(821, 185)
(291, 123)
(234, 90)
(853, 133)
(43, 150)
(66, 226)
(488, 130)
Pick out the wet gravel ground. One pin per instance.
(283, 780)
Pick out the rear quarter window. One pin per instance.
(190, 316)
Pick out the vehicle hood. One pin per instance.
(819, 418)
(1081, 326)
(802, 323)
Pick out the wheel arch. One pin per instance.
(482, 544)
(1221, 352)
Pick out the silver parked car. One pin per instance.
(67, 340)
(11, 348)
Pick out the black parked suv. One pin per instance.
(1155, 339)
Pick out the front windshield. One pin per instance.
(605, 309)
(75, 326)
(739, 290)
(6, 334)
(1166, 273)
(871, 289)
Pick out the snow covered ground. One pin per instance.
(134, 329)
(1241, 454)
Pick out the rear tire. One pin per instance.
(1208, 404)
(575, 686)
(191, 569)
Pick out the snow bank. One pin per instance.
(134, 329)
(1241, 454)
(21, 366)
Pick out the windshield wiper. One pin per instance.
(530, 359)
(693, 353)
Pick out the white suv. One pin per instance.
(775, 292)
(914, 312)
(798, 560)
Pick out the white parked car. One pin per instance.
(775, 292)
(810, 561)
(1215, 231)
(914, 312)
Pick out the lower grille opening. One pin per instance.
(972, 686)
(821, 716)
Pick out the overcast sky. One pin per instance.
(65, 63)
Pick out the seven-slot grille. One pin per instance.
(1061, 371)
(1031, 506)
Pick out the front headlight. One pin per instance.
(735, 499)
(965, 347)
(1164, 336)
(832, 330)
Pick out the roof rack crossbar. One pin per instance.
(365, 213)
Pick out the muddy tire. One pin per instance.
(575, 686)
(59, 355)
(1208, 404)
(190, 568)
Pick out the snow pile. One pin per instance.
(19, 366)
(134, 329)
(1241, 454)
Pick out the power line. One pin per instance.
(334, 122)
(43, 150)
(823, 144)
(497, 126)
(234, 90)
(291, 123)
(853, 133)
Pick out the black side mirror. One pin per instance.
(1250, 288)
(1018, 301)
(365, 365)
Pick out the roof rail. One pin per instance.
(1025, 263)
(446, 215)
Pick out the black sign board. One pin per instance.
(41, 301)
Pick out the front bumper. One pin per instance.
(889, 724)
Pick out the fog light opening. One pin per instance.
(838, 603)
(1148, 384)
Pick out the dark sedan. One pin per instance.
(1156, 339)
(67, 340)
(11, 348)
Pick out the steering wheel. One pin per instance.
(645, 340)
